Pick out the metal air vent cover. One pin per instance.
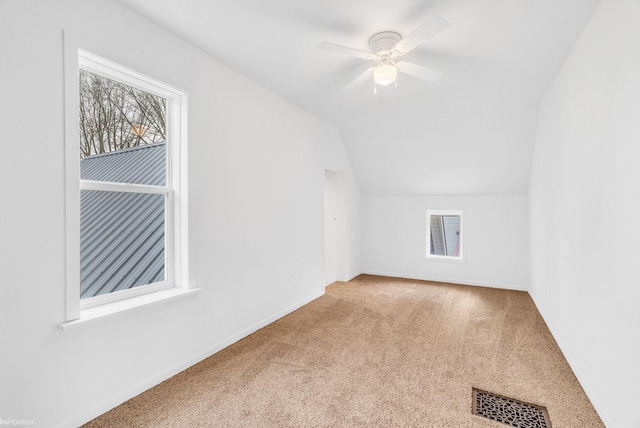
(509, 411)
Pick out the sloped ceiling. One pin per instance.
(470, 132)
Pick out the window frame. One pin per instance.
(436, 257)
(174, 190)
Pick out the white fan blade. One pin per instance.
(331, 47)
(366, 75)
(418, 71)
(428, 28)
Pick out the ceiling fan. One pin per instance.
(386, 48)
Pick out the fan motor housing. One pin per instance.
(384, 41)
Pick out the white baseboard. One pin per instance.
(450, 280)
(139, 388)
(355, 276)
(349, 278)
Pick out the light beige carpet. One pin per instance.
(374, 352)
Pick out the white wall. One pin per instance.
(495, 233)
(353, 251)
(255, 172)
(585, 211)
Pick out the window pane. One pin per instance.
(445, 235)
(139, 165)
(122, 241)
(122, 132)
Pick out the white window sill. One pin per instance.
(111, 309)
(446, 259)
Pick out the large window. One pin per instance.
(126, 179)
(444, 234)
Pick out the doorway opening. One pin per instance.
(334, 227)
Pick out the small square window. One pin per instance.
(444, 234)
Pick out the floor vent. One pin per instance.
(509, 411)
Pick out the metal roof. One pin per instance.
(136, 165)
(121, 233)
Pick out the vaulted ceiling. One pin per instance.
(470, 132)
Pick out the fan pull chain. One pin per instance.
(375, 88)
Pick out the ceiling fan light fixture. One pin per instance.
(385, 74)
(385, 49)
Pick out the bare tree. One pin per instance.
(116, 116)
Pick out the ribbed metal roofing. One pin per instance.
(121, 233)
(136, 165)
